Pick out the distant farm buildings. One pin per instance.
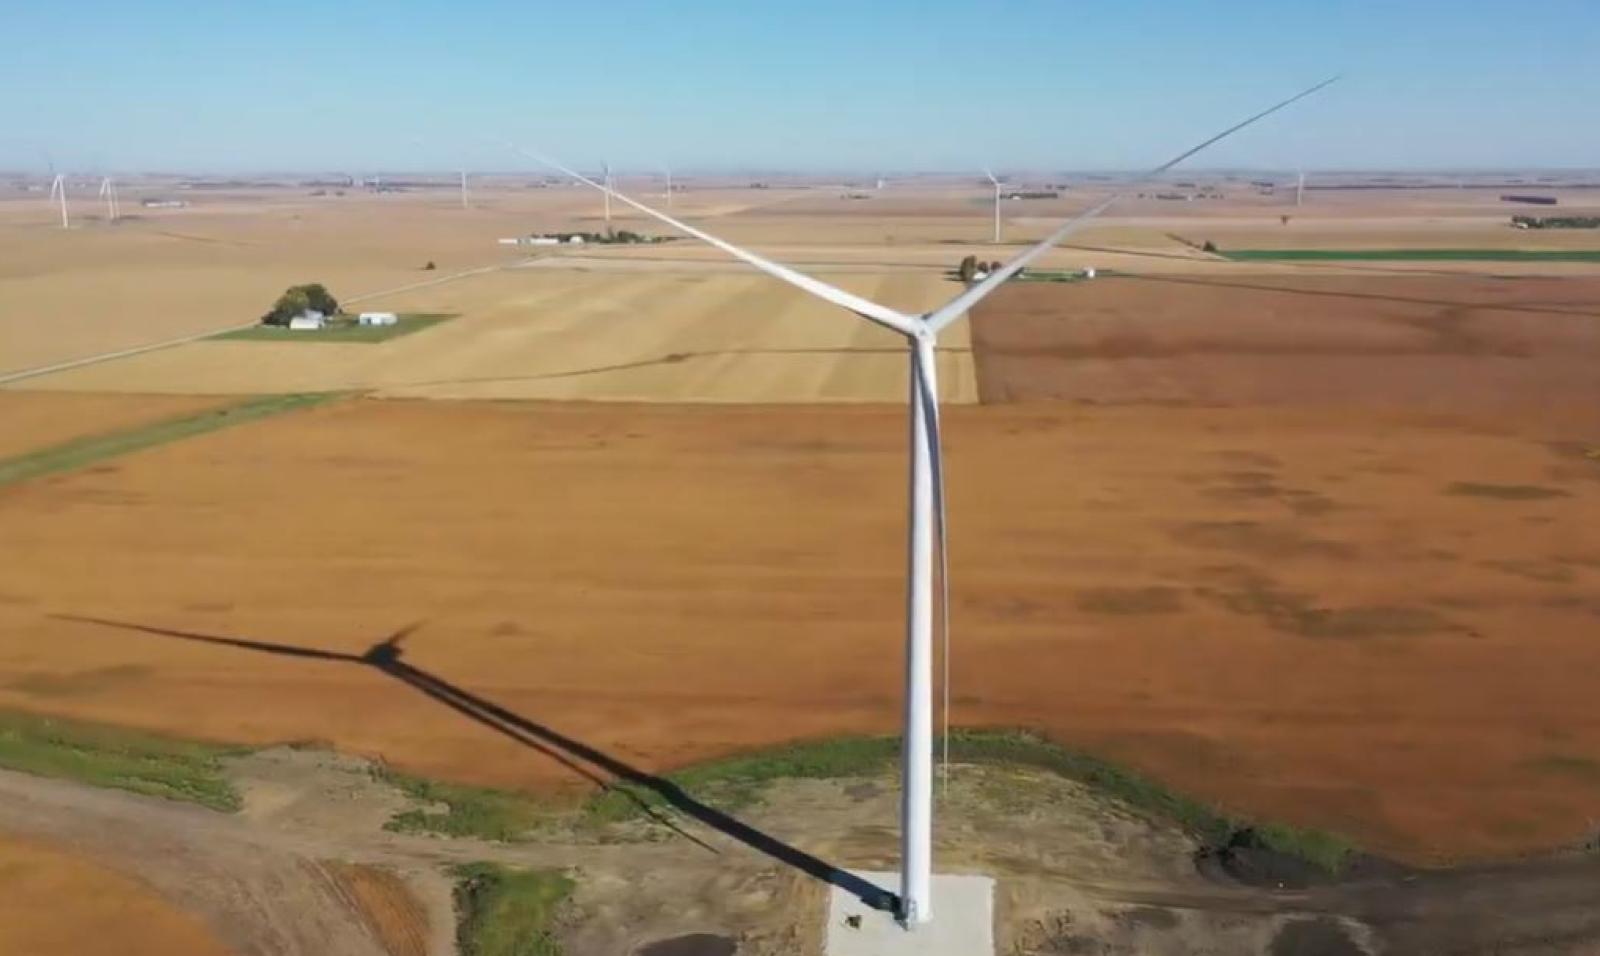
(622, 237)
(308, 321)
(163, 203)
(573, 239)
(377, 318)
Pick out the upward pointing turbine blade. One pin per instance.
(955, 308)
(866, 308)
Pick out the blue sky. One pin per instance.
(822, 85)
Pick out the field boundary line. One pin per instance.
(79, 452)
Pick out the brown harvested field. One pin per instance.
(1452, 344)
(646, 335)
(35, 420)
(1366, 620)
(53, 903)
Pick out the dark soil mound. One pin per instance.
(1246, 858)
(694, 944)
(1315, 937)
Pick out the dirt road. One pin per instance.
(1076, 874)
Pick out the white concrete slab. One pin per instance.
(962, 924)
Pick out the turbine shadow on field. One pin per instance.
(593, 764)
(671, 358)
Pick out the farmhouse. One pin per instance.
(377, 318)
(308, 321)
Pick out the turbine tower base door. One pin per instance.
(962, 924)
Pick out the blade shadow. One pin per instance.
(591, 763)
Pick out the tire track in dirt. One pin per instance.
(259, 898)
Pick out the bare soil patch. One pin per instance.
(387, 906)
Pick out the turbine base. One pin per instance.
(962, 924)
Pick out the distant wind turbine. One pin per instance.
(108, 192)
(607, 168)
(668, 170)
(1300, 188)
(927, 512)
(996, 184)
(58, 191)
(463, 189)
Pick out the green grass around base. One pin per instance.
(85, 451)
(1412, 255)
(460, 810)
(736, 782)
(183, 770)
(105, 756)
(506, 912)
(742, 777)
(408, 323)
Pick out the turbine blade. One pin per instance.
(866, 308)
(958, 306)
(927, 394)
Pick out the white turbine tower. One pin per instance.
(668, 170)
(463, 189)
(58, 191)
(606, 167)
(926, 489)
(108, 192)
(1300, 188)
(996, 184)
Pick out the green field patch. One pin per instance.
(506, 912)
(341, 329)
(105, 756)
(81, 452)
(1412, 255)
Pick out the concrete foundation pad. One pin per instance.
(962, 924)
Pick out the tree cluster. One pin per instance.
(969, 268)
(299, 299)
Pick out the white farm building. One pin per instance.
(308, 321)
(377, 318)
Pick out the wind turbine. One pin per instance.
(108, 192)
(463, 189)
(58, 191)
(1300, 187)
(996, 183)
(926, 492)
(607, 168)
(668, 170)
